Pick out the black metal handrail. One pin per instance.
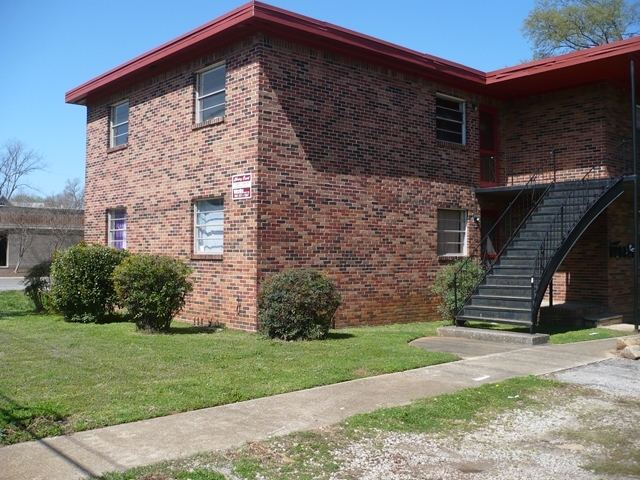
(573, 209)
(507, 226)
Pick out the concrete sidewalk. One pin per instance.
(141, 443)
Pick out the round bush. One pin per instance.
(81, 285)
(443, 287)
(153, 289)
(297, 305)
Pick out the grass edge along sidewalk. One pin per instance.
(320, 453)
(60, 377)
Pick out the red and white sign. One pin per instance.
(241, 186)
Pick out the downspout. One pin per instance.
(634, 149)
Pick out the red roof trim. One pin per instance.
(260, 16)
(603, 63)
(610, 50)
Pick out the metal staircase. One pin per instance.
(516, 278)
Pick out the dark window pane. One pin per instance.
(450, 104)
(449, 136)
(449, 114)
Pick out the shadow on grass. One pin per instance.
(17, 313)
(338, 336)
(193, 329)
(19, 423)
(102, 320)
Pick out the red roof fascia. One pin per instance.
(158, 54)
(604, 63)
(608, 62)
(256, 16)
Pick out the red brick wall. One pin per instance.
(620, 270)
(348, 178)
(351, 177)
(167, 164)
(583, 125)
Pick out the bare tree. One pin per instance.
(21, 226)
(17, 161)
(72, 197)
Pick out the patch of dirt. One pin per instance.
(562, 439)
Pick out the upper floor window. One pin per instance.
(452, 232)
(210, 94)
(117, 220)
(209, 226)
(450, 119)
(119, 124)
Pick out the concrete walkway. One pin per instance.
(11, 283)
(141, 443)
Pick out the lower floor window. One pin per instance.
(117, 220)
(452, 229)
(209, 226)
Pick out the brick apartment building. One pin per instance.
(265, 140)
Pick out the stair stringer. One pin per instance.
(593, 212)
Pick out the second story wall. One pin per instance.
(583, 125)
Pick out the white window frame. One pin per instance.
(112, 217)
(446, 114)
(201, 97)
(214, 224)
(446, 237)
(114, 137)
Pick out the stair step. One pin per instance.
(495, 301)
(508, 280)
(532, 234)
(517, 314)
(525, 243)
(520, 252)
(515, 261)
(500, 321)
(508, 270)
(515, 291)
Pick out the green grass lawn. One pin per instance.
(59, 377)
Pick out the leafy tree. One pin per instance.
(560, 26)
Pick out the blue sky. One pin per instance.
(48, 47)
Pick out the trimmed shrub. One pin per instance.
(297, 305)
(81, 284)
(468, 278)
(153, 289)
(37, 284)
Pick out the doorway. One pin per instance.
(488, 147)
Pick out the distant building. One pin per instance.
(30, 233)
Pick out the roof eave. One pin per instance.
(256, 16)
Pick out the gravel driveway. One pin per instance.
(571, 435)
